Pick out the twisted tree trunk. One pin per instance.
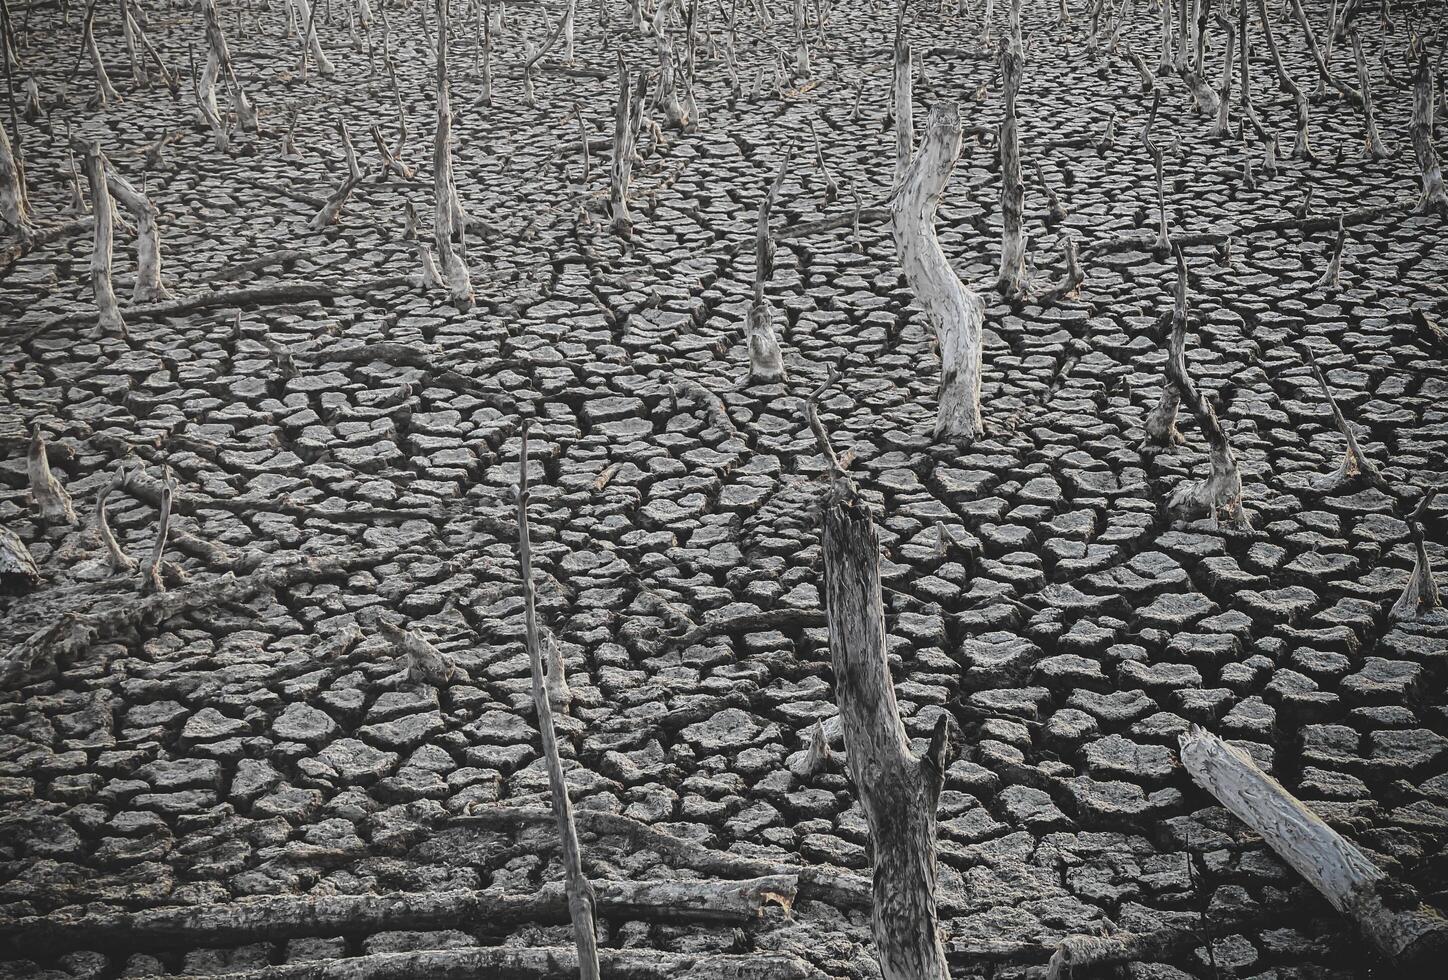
(956, 313)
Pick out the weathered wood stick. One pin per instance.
(1420, 594)
(581, 901)
(274, 918)
(542, 963)
(149, 286)
(765, 363)
(1011, 281)
(842, 889)
(73, 633)
(1339, 870)
(1325, 75)
(45, 490)
(1376, 148)
(1354, 461)
(1220, 494)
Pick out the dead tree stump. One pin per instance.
(956, 313)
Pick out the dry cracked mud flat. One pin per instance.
(179, 768)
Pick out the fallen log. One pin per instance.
(1409, 936)
(842, 889)
(534, 963)
(274, 918)
(74, 632)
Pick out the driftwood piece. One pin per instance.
(581, 900)
(1420, 128)
(18, 572)
(45, 490)
(274, 918)
(1324, 73)
(955, 312)
(423, 662)
(898, 790)
(1420, 595)
(1336, 868)
(151, 567)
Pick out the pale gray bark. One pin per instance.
(765, 362)
(956, 314)
(1420, 595)
(1012, 278)
(120, 561)
(109, 311)
(1336, 868)
(45, 490)
(1376, 148)
(149, 286)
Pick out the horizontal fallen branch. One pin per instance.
(532, 963)
(760, 622)
(269, 295)
(16, 250)
(841, 889)
(1146, 241)
(72, 633)
(278, 917)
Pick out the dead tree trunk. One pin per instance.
(904, 102)
(1376, 148)
(898, 790)
(1324, 74)
(246, 116)
(1220, 494)
(580, 892)
(105, 91)
(624, 133)
(765, 363)
(151, 568)
(676, 115)
(1163, 232)
(311, 43)
(1161, 428)
(100, 265)
(1164, 65)
(1012, 278)
(18, 571)
(447, 212)
(956, 313)
(1420, 595)
(14, 206)
(1336, 868)
(1354, 461)
(1223, 125)
(45, 490)
(1420, 127)
(120, 561)
(149, 287)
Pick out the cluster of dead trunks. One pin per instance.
(899, 788)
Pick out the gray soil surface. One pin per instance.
(239, 748)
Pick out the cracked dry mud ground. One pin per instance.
(1070, 628)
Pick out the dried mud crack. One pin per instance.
(266, 705)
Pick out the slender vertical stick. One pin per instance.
(580, 892)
